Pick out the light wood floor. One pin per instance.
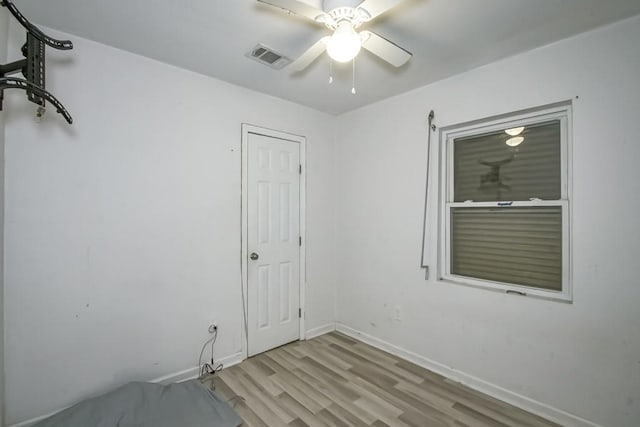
(334, 380)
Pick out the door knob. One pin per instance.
(254, 256)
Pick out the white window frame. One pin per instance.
(561, 112)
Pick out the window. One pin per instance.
(505, 204)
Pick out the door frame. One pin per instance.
(248, 129)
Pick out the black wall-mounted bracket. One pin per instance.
(33, 66)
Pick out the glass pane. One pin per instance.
(489, 167)
(521, 245)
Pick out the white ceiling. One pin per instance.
(211, 37)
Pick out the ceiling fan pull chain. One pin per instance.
(353, 86)
(330, 70)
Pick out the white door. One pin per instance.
(273, 246)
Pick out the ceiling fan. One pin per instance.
(345, 43)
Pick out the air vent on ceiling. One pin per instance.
(268, 56)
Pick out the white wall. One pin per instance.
(582, 358)
(4, 32)
(122, 238)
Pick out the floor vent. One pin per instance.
(268, 57)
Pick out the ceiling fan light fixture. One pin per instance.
(514, 142)
(515, 131)
(344, 44)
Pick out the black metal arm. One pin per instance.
(33, 66)
(14, 83)
(35, 31)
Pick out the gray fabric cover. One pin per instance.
(187, 404)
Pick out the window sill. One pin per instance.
(514, 290)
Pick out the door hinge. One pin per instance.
(300, 241)
(300, 170)
(299, 313)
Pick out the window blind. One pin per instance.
(518, 245)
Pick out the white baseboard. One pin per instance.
(320, 330)
(176, 377)
(191, 373)
(542, 409)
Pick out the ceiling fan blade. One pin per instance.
(377, 7)
(310, 55)
(389, 51)
(296, 7)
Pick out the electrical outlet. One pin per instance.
(213, 327)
